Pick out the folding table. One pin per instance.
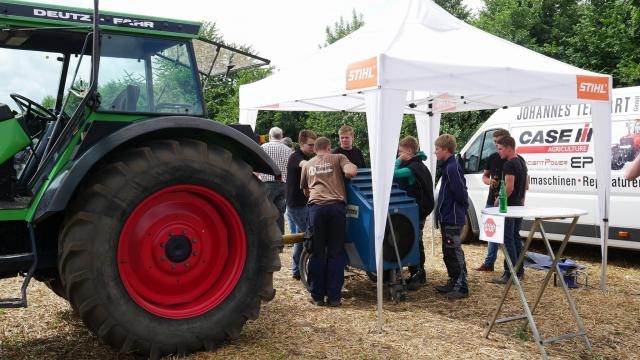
(539, 215)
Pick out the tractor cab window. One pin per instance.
(145, 75)
(32, 74)
(475, 158)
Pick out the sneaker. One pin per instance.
(500, 280)
(504, 279)
(446, 288)
(316, 302)
(295, 276)
(457, 294)
(484, 267)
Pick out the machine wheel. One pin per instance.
(466, 234)
(169, 248)
(304, 268)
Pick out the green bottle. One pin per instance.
(502, 197)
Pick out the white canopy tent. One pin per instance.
(424, 61)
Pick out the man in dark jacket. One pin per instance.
(452, 207)
(414, 178)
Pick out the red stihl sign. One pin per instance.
(362, 74)
(592, 87)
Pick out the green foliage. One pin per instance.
(597, 35)
(606, 40)
(341, 28)
(209, 31)
(463, 124)
(221, 94)
(49, 102)
(456, 8)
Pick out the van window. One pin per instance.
(475, 158)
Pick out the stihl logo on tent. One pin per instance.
(362, 74)
(444, 102)
(592, 87)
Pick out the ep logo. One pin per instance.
(580, 162)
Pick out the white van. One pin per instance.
(557, 143)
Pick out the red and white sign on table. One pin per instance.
(492, 228)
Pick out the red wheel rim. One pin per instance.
(181, 251)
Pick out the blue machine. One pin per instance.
(359, 243)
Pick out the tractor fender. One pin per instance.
(63, 186)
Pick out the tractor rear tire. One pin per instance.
(169, 248)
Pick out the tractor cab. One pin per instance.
(55, 93)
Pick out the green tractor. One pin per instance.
(118, 192)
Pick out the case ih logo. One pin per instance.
(592, 87)
(362, 74)
(569, 140)
(489, 227)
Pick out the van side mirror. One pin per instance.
(461, 162)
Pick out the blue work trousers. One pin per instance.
(513, 243)
(327, 261)
(492, 248)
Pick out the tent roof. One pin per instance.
(436, 57)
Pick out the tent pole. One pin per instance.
(605, 256)
(379, 290)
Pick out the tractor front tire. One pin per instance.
(169, 248)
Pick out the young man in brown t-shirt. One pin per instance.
(322, 179)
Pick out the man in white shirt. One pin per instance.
(276, 186)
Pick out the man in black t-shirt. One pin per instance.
(345, 133)
(491, 176)
(296, 200)
(515, 178)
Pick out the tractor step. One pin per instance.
(13, 303)
(33, 258)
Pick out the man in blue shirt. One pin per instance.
(452, 207)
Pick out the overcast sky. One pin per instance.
(283, 31)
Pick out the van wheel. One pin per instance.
(466, 234)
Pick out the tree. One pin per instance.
(606, 39)
(342, 28)
(222, 92)
(597, 35)
(49, 102)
